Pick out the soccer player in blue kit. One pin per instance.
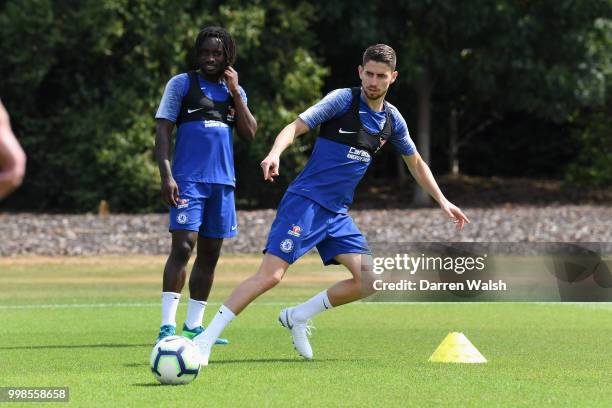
(355, 124)
(205, 106)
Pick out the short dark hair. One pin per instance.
(380, 53)
(229, 45)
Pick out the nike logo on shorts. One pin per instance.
(193, 110)
(345, 131)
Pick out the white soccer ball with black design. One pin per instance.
(175, 360)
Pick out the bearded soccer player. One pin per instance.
(355, 124)
(205, 106)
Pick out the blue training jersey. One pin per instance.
(334, 169)
(204, 150)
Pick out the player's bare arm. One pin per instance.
(270, 165)
(246, 125)
(163, 135)
(12, 157)
(422, 174)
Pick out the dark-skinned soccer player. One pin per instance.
(198, 184)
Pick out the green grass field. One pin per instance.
(89, 324)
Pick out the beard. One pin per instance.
(373, 94)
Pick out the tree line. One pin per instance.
(505, 87)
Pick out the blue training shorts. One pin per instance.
(206, 208)
(302, 224)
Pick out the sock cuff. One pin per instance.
(326, 303)
(169, 303)
(202, 302)
(227, 313)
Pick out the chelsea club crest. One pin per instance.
(286, 246)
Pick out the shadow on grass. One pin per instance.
(136, 365)
(243, 361)
(74, 346)
(274, 360)
(151, 384)
(251, 361)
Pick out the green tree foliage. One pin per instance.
(485, 59)
(82, 80)
(593, 164)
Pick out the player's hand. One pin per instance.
(454, 213)
(269, 166)
(169, 191)
(231, 79)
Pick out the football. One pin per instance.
(175, 360)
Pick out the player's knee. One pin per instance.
(273, 280)
(270, 280)
(366, 280)
(182, 250)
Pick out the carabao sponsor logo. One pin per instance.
(182, 203)
(295, 230)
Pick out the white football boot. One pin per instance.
(204, 347)
(299, 332)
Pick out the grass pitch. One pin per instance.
(89, 324)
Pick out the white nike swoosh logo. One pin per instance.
(363, 112)
(345, 131)
(193, 110)
(233, 227)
